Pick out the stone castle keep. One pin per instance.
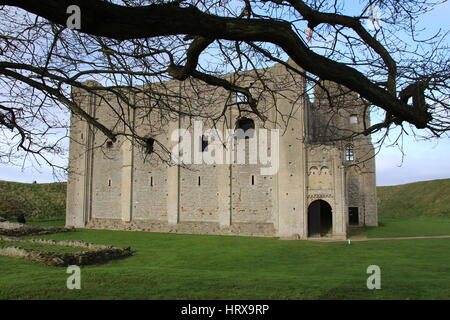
(323, 185)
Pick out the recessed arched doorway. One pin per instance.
(320, 219)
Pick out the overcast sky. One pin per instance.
(423, 160)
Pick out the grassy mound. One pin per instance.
(37, 201)
(426, 198)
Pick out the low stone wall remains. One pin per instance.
(94, 254)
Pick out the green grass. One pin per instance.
(171, 266)
(426, 198)
(413, 209)
(48, 223)
(37, 201)
(407, 227)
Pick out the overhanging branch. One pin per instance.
(105, 19)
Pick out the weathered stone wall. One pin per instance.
(187, 227)
(326, 125)
(120, 186)
(149, 189)
(76, 204)
(325, 182)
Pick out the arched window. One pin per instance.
(313, 170)
(349, 154)
(247, 126)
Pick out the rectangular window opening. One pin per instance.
(353, 216)
(204, 143)
(240, 97)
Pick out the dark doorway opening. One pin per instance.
(320, 220)
(353, 216)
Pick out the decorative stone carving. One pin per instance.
(320, 196)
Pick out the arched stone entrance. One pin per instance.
(320, 219)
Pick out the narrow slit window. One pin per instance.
(109, 183)
(151, 181)
(253, 180)
(204, 143)
(199, 181)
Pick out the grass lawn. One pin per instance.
(171, 266)
(48, 223)
(406, 227)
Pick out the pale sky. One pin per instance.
(423, 160)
